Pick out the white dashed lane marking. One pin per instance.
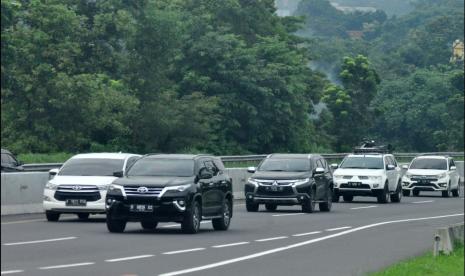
(426, 201)
(129, 258)
(65, 266)
(307, 234)
(339, 228)
(229, 245)
(11, 272)
(183, 251)
(272, 239)
(364, 207)
(285, 215)
(40, 241)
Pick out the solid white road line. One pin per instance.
(183, 251)
(66, 265)
(285, 215)
(28, 220)
(177, 225)
(300, 244)
(129, 258)
(364, 207)
(231, 244)
(339, 228)
(426, 201)
(272, 239)
(40, 241)
(11, 272)
(306, 234)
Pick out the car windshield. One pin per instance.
(285, 165)
(162, 167)
(362, 162)
(429, 164)
(92, 167)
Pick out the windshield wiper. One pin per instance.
(275, 170)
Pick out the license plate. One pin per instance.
(355, 184)
(275, 189)
(141, 208)
(76, 202)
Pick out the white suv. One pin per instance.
(368, 174)
(431, 173)
(80, 185)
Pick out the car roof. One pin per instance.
(368, 155)
(5, 151)
(431, 157)
(104, 155)
(177, 156)
(292, 156)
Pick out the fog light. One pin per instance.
(375, 185)
(405, 183)
(110, 200)
(47, 198)
(181, 203)
(443, 184)
(250, 196)
(302, 198)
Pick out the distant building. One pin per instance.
(348, 9)
(355, 34)
(457, 51)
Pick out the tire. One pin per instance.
(115, 225)
(416, 192)
(397, 197)
(406, 192)
(222, 224)
(252, 207)
(149, 224)
(83, 216)
(348, 198)
(455, 193)
(447, 193)
(271, 207)
(335, 197)
(383, 197)
(52, 216)
(326, 206)
(309, 205)
(192, 218)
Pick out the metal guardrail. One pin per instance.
(252, 158)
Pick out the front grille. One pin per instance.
(131, 191)
(361, 186)
(87, 192)
(266, 191)
(423, 185)
(419, 178)
(279, 182)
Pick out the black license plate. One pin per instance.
(275, 189)
(424, 182)
(141, 208)
(355, 184)
(76, 202)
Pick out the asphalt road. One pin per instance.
(353, 239)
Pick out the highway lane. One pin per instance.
(342, 242)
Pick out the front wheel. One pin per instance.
(335, 196)
(191, 222)
(397, 197)
(252, 207)
(455, 193)
(348, 198)
(52, 216)
(447, 193)
(115, 225)
(416, 192)
(222, 224)
(326, 206)
(383, 197)
(149, 224)
(406, 192)
(308, 206)
(83, 216)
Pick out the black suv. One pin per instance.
(171, 188)
(290, 179)
(10, 163)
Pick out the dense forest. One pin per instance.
(227, 77)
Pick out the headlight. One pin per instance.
(338, 176)
(115, 188)
(103, 187)
(442, 175)
(180, 188)
(375, 177)
(253, 182)
(408, 175)
(51, 186)
(301, 181)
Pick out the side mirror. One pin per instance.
(453, 168)
(19, 163)
(334, 166)
(251, 169)
(118, 174)
(405, 167)
(390, 167)
(319, 171)
(52, 173)
(205, 174)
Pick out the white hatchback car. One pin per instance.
(369, 174)
(431, 173)
(80, 185)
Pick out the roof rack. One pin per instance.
(369, 146)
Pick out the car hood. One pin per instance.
(425, 172)
(365, 172)
(154, 181)
(281, 175)
(82, 180)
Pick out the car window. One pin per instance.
(162, 167)
(394, 161)
(285, 165)
(429, 164)
(91, 167)
(362, 162)
(319, 164)
(131, 161)
(219, 164)
(6, 158)
(211, 167)
(451, 163)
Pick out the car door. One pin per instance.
(321, 181)
(454, 175)
(398, 172)
(217, 194)
(206, 190)
(391, 174)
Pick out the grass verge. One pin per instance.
(30, 158)
(427, 265)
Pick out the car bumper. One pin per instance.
(296, 199)
(366, 188)
(50, 203)
(441, 185)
